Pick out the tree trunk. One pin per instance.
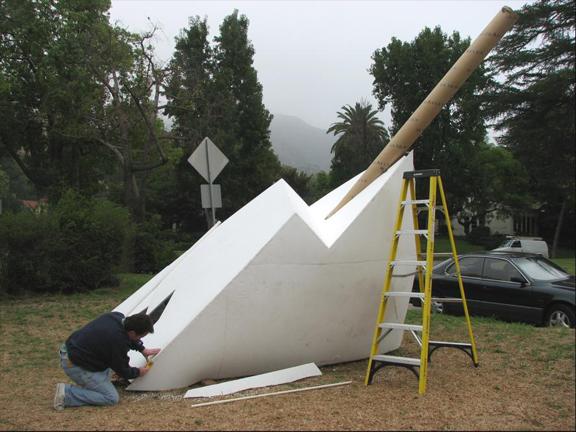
(132, 196)
(558, 229)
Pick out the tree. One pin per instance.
(77, 95)
(500, 187)
(45, 89)
(532, 102)
(245, 127)
(4, 183)
(404, 74)
(319, 185)
(361, 138)
(298, 180)
(128, 124)
(189, 96)
(4, 187)
(214, 92)
(192, 104)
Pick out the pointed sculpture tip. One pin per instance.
(509, 10)
(331, 213)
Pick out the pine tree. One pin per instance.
(532, 102)
(245, 121)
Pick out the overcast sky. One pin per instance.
(312, 57)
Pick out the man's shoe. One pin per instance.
(59, 397)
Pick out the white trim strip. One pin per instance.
(282, 376)
(271, 394)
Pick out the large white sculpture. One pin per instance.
(277, 285)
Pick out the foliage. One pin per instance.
(404, 74)
(361, 138)
(532, 102)
(4, 183)
(151, 251)
(26, 246)
(46, 89)
(78, 98)
(161, 188)
(481, 236)
(214, 92)
(319, 185)
(72, 247)
(298, 180)
(500, 186)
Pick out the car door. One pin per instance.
(505, 292)
(471, 269)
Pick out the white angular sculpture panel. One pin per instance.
(277, 285)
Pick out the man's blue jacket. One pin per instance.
(102, 344)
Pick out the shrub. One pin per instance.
(91, 236)
(152, 249)
(26, 245)
(72, 247)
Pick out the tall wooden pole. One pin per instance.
(404, 139)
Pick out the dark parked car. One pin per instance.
(509, 285)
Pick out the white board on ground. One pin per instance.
(264, 380)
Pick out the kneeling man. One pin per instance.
(90, 355)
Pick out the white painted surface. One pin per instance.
(264, 380)
(277, 284)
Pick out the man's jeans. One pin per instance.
(96, 388)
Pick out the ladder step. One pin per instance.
(410, 294)
(408, 262)
(419, 232)
(447, 299)
(398, 360)
(437, 254)
(450, 344)
(398, 326)
(416, 202)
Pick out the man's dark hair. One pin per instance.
(139, 323)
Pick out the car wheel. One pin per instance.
(560, 316)
(438, 307)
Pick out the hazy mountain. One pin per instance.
(301, 145)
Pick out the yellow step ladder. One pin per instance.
(419, 366)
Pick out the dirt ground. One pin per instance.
(526, 381)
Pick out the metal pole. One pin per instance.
(210, 187)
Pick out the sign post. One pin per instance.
(209, 161)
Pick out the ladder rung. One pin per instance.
(447, 299)
(399, 326)
(416, 202)
(437, 254)
(395, 359)
(419, 232)
(450, 344)
(408, 262)
(410, 294)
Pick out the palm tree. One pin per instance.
(361, 137)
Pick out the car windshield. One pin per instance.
(540, 269)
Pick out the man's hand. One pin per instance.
(150, 351)
(144, 371)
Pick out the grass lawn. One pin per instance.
(526, 381)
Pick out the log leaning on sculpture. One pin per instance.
(404, 139)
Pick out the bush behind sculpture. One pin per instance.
(73, 246)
